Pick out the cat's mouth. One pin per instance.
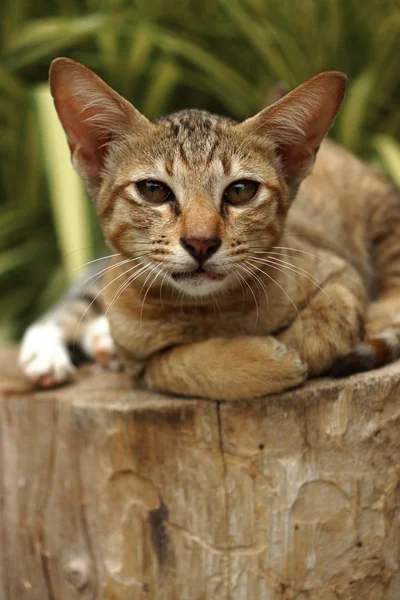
(197, 275)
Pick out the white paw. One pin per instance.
(98, 344)
(44, 359)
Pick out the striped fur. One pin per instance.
(210, 299)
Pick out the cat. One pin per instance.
(236, 271)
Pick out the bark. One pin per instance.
(110, 493)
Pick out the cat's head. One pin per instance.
(190, 195)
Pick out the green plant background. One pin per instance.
(222, 55)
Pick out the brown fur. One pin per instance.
(334, 257)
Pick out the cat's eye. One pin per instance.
(240, 192)
(154, 191)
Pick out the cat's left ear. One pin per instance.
(93, 115)
(296, 124)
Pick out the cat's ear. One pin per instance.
(92, 114)
(297, 123)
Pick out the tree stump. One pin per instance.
(116, 494)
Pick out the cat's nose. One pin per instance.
(201, 248)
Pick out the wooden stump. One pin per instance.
(115, 494)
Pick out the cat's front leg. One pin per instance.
(226, 369)
(331, 324)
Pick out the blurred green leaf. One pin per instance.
(352, 117)
(165, 75)
(388, 151)
(68, 199)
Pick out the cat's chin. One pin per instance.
(199, 283)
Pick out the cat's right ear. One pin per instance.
(92, 114)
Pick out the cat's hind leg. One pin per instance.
(381, 344)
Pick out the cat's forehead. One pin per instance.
(203, 143)
(192, 124)
(196, 135)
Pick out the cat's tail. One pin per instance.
(374, 351)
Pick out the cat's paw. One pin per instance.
(98, 344)
(284, 368)
(44, 359)
(293, 371)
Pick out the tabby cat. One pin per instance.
(235, 273)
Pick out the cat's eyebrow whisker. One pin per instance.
(295, 269)
(279, 285)
(253, 294)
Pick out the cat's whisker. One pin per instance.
(290, 277)
(304, 236)
(156, 267)
(181, 296)
(214, 297)
(287, 265)
(318, 239)
(99, 275)
(125, 284)
(242, 288)
(252, 293)
(297, 250)
(95, 298)
(276, 254)
(161, 287)
(95, 260)
(81, 250)
(257, 278)
(264, 251)
(298, 270)
(279, 285)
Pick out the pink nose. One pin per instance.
(201, 248)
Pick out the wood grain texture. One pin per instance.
(109, 493)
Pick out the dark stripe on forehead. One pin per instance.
(212, 152)
(169, 165)
(226, 164)
(182, 154)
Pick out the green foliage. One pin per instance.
(222, 55)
